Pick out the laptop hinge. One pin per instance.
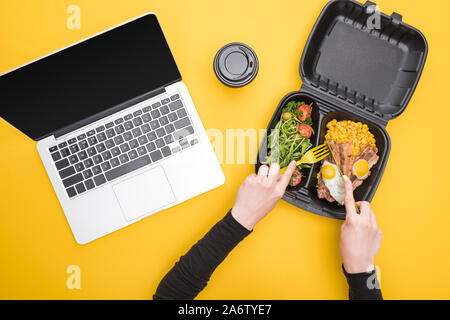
(105, 113)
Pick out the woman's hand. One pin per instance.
(360, 235)
(259, 194)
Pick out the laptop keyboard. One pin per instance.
(121, 146)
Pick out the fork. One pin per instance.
(312, 156)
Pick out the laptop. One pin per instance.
(115, 126)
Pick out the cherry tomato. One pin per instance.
(296, 178)
(306, 112)
(305, 130)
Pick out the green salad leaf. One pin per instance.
(284, 141)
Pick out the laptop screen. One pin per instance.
(87, 78)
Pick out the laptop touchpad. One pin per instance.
(144, 193)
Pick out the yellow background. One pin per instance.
(291, 253)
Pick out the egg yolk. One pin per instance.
(361, 168)
(328, 172)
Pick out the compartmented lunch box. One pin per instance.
(351, 71)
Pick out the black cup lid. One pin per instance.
(236, 64)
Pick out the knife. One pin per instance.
(340, 172)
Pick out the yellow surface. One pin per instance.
(291, 254)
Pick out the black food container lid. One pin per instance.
(236, 64)
(353, 71)
(367, 59)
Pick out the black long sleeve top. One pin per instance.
(191, 273)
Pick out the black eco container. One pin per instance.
(353, 71)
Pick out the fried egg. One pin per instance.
(333, 181)
(361, 169)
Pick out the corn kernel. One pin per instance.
(355, 132)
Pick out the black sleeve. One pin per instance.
(191, 273)
(363, 286)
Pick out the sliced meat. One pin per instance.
(345, 157)
(322, 191)
(334, 147)
(356, 182)
(342, 152)
(369, 154)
